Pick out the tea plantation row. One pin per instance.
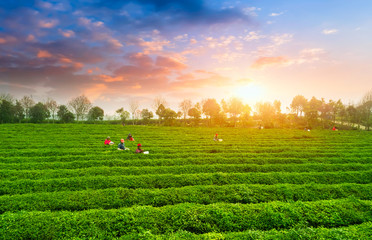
(61, 182)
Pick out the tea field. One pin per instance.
(60, 182)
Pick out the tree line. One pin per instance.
(302, 113)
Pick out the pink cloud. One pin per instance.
(199, 79)
(94, 92)
(48, 23)
(265, 61)
(43, 54)
(169, 63)
(107, 78)
(67, 33)
(30, 38)
(140, 59)
(7, 39)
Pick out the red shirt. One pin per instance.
(107, 141)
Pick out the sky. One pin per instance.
(116, 51)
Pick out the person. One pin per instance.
(215, 137)
(130, 137)
(139, 149)
(108, 141)
(121, 145)
(334, 128)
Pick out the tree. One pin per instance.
(80, 105)
(18, 112)
(312, 112)
(185, 106)
(245, 117)
(277, 105)
(179, 114)
(325, 113)
(95, 113)
(64, 114)
(52, 107)
(367, 107)
(211, 108)
(351, 114)
(235, 108)
(160, 112)
(7, 97)
(39, 113)
(159, 100)
(27, 102)
(266, 112)
(195, 113)
(124, 115)
(225, 106)
(6, 111)
(133, 105)
(298, 104)
(146, 115)
(169, 116)
(336, 108)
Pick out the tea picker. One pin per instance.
(121, 145)
(140, 150)
(108, 141)
(216, 138)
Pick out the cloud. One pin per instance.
(6, 39)
(253, 36)
(43, 54)
(244, 81)
(267, 61)
(251, 11)
(140, 59)
(169, 63)
(329, 31)
(67, 33)
(152, 43)
(199, 79)
(275, 14)
(107, 78)
(96, 91)
(30, 38)
(281, 39)
(193, 41)
(48, 23)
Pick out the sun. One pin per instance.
(249, 93)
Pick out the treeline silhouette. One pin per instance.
(302, 113)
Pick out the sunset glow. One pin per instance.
(115, 51)
(250, 93)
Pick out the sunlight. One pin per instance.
(249, 93)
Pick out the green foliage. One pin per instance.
(6, 111)
(39, 113)
(146, 115)
(124, 115)
(95, 113)
(211, 108)
(65, 115)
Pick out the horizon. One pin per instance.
(114, 52)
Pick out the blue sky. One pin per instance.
(118, 51)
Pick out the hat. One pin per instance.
(121, 140)
(108, 137)
(139, 145)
